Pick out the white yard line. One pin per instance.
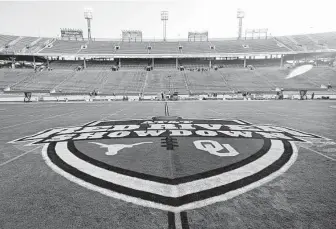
(333, 159)
(17, 157)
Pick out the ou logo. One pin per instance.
(214, 147)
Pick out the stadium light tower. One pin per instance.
(240, 16)
(164, 19)
(88, 17)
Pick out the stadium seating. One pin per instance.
(166, 81)
(272, 44)
(245, 46)
(307, 42)
(206, 82)
(164, 47)
(244, 80)
(70, 64)
(196, 47)
(5, 39)
(192, 63)
(22, 43)
(99, 47)
(165, 63)
(184, 82)
(123, 82)
(81, 82)
(328, 39)
(62, 46)
(37, 45)
(133, 48)
(9, 77)
(311, 79)
(42, 81)
(134, 63)
(290, 43)
(100, 64)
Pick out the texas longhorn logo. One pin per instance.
(114, 148)
(173, 165)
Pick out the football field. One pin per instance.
(56, 176)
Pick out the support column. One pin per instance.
(84, 63)
(153, 63)
(210, 64)
(47, 62)
(244, 61)
(13, 62)
(294, 61)
(34, 64)
(281, 61)
(176, 63)
(316, 61)
(119, 64)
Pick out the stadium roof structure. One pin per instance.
(309, 43)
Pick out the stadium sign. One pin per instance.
(173, 165)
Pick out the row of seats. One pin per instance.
(109, 47)
(325, 38)
(135, 82)
(43, 81)
(22, 44)
(295, 42)
(317, 41)
(5, 39)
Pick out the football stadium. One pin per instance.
(188, 132)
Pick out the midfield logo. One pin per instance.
(170, 165)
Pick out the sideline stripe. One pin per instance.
(14, 158)
(333, 159)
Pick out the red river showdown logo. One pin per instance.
(170, 164)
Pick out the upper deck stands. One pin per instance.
(188, 47)
(38, 45)
(245, 46)
(196, 47)
(289, 43)
(133, 48)
(325, 38)
(164, 47)
(99, 47)
(5, 39)
(64, 47)
(22, 43)
(307, 42)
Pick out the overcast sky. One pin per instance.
(281, 17)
